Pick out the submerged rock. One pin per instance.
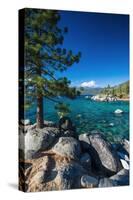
(67, 146)
(88, 181)
(111, 124)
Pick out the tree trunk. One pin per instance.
(39, 117)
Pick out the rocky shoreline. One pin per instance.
(107, 98)
(55, 158)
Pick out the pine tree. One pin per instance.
(44, 57)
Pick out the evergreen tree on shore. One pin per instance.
(121, 90)
(44, 58)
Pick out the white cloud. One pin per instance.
(88, 84)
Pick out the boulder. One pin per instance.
(53, 172)
(37, 139)
(104, 158)
(64, 178)
(69, 133)
(76, 172)
(49, 123)
(85, 161)
(84, 140)
(38, 174)
(69, 176)
(108, 158)
(118, 111)
(126, 145)
(25, 122)
(124, 164)
(106, 182)
(67, 147)
(123, 156)
(122, 177)
(88, 181)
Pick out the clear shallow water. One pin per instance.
(89, 115)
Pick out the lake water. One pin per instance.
(90, 115)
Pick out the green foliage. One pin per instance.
(45, 57)
(121, 91)
(63, 109)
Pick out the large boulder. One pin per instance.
(121, 178)
(67, 147)
(84, 140)
(124, 163)
(36, 140)
(69, 176)
(69, 133)
(88, 181)
(104, 159)
(106, 182)
(53, 172)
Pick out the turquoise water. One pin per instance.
(90, 115)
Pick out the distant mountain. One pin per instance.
(90, 91)
(121, 90)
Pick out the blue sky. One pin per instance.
(103, 40)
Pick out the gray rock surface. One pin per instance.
(106, 182)
(64, 178)
(126, 145)
(25, 122)
(104, 158)
(85, 161)
(122, 177)
(69, 133)
(124, 163)
(88, 181)
(67, 147)
(37, 139)
(84, 140)
(49, 123)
